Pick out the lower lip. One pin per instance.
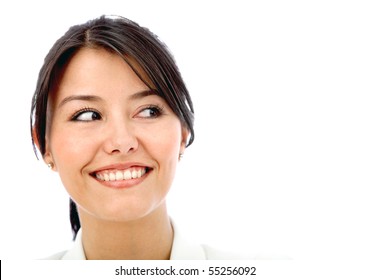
(123, 184)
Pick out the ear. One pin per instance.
(185, 134)
(47, 157)
(35, 141)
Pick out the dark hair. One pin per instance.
(129, 40)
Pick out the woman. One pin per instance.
(112, 115)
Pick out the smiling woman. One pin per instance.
(112, 115)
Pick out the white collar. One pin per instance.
(181, 248)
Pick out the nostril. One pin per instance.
(119, 144)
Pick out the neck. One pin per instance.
(148, 238)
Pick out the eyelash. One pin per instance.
(158, 111)
(84, 110)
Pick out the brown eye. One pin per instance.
(87, 116)
(150, 112)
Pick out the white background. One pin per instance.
(280, 161)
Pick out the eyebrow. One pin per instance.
(95, 98)
(142, 94)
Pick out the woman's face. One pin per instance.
(114, 142)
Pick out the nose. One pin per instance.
(120, 137)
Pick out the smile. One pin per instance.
(121, 175)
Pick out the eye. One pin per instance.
(86, 115)
(150, 112)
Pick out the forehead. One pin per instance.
(98, 69)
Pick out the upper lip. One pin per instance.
(120, 166)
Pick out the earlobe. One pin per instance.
(47, 157)
(180, 156)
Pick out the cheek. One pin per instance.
(165, 142)
(164, 148)
(70, 151)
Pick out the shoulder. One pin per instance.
(57, 256)
(186, 249)
(75, 253)
(217, 254)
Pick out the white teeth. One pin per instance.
(120, 175)
(127, 175)
(111, 176)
